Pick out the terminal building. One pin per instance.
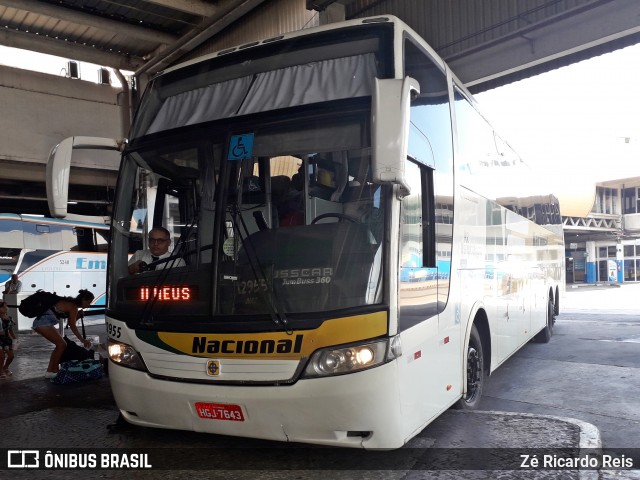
(604, 245)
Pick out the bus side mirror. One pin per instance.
(59, 165)
(390, 108)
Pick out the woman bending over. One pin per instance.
(47, 323)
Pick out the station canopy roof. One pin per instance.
(146, 36)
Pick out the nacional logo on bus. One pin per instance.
(269, 345)
(265, 346)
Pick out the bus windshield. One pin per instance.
(265, 220)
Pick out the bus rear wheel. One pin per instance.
(545, 334)
(475, 373)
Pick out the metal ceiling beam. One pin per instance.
(587, 26)
(52, 46)
(228, 12)
(195, 7)
(105, 24)
(22, 171)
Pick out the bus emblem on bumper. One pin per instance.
(213, 368)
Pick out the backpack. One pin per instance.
(38, 303)
(76, 371)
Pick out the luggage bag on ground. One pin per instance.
(77, 371)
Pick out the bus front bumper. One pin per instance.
(355, 410)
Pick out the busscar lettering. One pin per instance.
(246, 347)
(304, 272)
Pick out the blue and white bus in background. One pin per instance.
(61, 256)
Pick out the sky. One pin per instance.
(582, 120)
(41, 62)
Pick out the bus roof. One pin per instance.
(380, 19)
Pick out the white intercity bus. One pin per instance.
(356, 255)
(57, 255)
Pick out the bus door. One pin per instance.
(426, 224)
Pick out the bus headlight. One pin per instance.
(336, 361)
(125, 355)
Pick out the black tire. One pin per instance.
(545, 334)
(475, 373)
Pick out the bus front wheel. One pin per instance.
(475, 373)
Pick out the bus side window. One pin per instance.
(102, 240)
(418, 271)
(417, 233)
(42, 236)
(431, 144)
(84, 240)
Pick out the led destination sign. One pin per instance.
(164, 293)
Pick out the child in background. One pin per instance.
(7, 341)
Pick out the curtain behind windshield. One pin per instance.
(321, 81)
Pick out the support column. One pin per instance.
(620, 261)
(591, 265)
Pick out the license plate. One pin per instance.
(219, 411)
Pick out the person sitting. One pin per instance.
(13, 285)
(7, 341)
(291, 206)
(159, 242)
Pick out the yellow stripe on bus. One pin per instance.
(278, 345)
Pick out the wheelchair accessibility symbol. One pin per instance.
(240, 147)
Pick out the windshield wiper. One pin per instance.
(271, 299)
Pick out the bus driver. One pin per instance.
(159, 241)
